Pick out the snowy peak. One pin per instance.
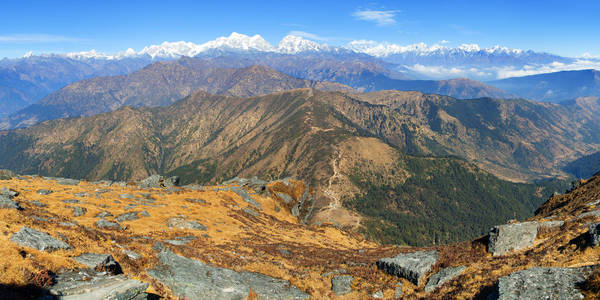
(292, 44)
(421, 49)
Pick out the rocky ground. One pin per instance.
(247, 239)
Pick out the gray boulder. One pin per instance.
(100, 262)
(44, 192)
(104, 214)
(342, 284)
(182, 223)
(171, 182)
(411, 266)
(594, 234)
(251, 211)
(79, 211)
(551, 224)
(512, 237)
(542, 283)
(442, 277)
(103, 224)
(130, 216)
(191, 279)
(6, 202)
(243, 194)
(589, 214)
(42, 241)
(8, 192)
(88, 284)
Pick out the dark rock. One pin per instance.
(191, 279)
(251, 211)
(39, 204)
(594, 234)
(342, 284)
(6, 202)
(71, 201)
(411, 266)
(542, 283)
(79, 211)
(589, 214)
(103, 224)
(42, 241)
(100, 262)
(104, 214)
(171, 182)
(127, 217)
(512, 237)
(442, 276)
(44, 192)
(182, 223)
(89, 284)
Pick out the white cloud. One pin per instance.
(444, 42)
(37, 38)
(380, 17)
(307, 35)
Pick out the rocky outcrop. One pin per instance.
(192, 279)
(412, 266)
(542, 283)
(100, 262)
(182, 223)
(6, 174)
(442, 277)
(88, 284)
(342, 284)
(157, 181)
(42, 241)
(594, 234)
(7, 202)
(512, 237)
(104, 224)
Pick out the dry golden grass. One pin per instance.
(274, 243)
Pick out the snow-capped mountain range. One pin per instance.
(419, 61)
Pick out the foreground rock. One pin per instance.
(91, 285)
(100, 262)
(191, 279)
(6, 202)
(342, 284)
(542, 283)
(442, 277)
(512, 237)
(42, 241)
(412, 266)
(594, 234)
(157, 181)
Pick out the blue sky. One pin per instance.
(568, 28)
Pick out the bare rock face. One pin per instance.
(191, 279)
(100, 262)
(594, 234)
(443, 276)
(91, 285)
(512, 237)
(341, 284)
(42, 241)
(412, 266)
(542, 283)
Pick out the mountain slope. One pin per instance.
(25, 81)
(301, 133)
(553, 87)
(159, 84)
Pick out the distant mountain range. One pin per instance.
(162, 83)
(553, 87)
